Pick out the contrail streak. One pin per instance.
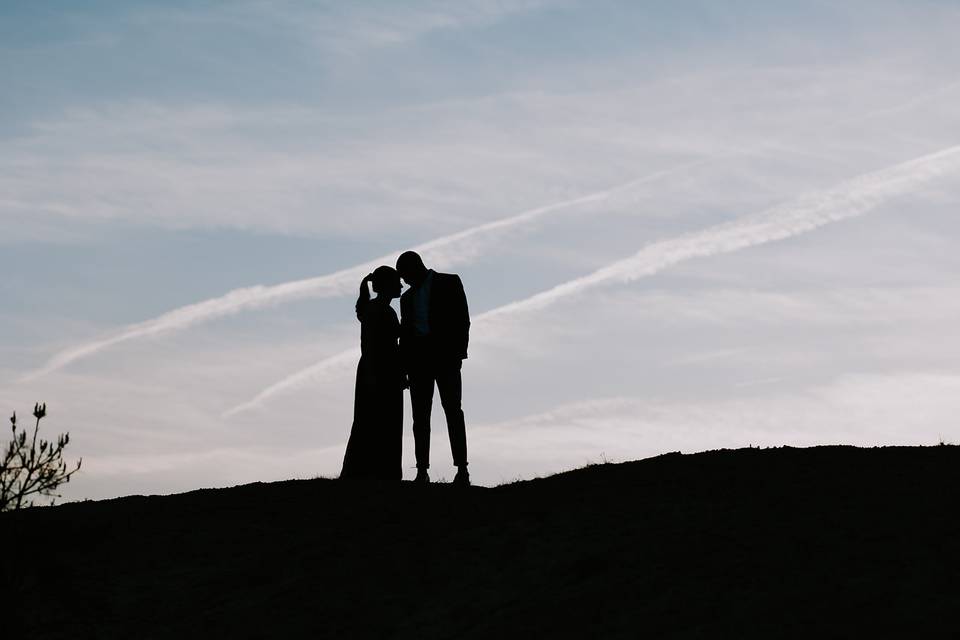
(446, 251)
(443, 252)
(849, 199)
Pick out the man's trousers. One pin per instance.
(446, 376)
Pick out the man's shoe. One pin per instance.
(462, 479)
(422, 477)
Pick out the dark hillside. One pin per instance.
(825, 542)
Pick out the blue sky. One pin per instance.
(718, 225)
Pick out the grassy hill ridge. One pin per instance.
(833, 541)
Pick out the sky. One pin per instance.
(681, 225)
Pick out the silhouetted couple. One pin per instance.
(423, 350)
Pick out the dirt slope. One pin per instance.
(828, 542)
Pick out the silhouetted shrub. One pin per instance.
(32, 468)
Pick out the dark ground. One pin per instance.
(831, 542)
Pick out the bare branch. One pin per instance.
(27, 469)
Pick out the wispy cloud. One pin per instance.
(349, 29)
(851, 198)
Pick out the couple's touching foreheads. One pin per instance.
(421, 351)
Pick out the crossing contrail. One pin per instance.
(444, 252)
(848, 199)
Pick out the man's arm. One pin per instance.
(461, 313)
(406, 319)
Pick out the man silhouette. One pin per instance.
(434, 332)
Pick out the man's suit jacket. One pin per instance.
(448, 316)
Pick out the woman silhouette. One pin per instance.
(375, 445)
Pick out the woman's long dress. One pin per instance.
(375, 446)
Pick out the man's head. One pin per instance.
(411, 269)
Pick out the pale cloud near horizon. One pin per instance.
(853, 410)
(154, 158)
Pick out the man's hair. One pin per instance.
(410, 261)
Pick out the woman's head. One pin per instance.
(386, 282)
